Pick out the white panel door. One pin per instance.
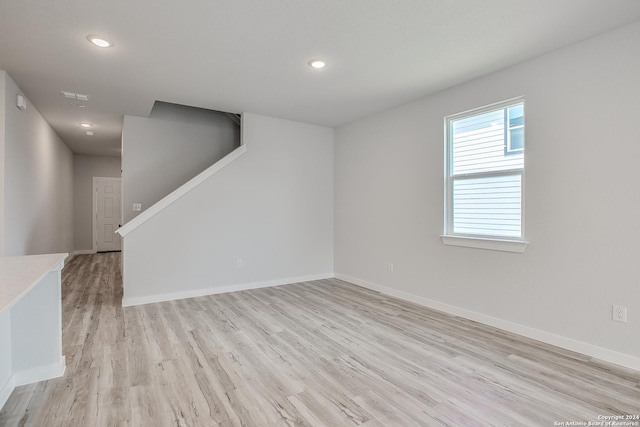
(107, 213)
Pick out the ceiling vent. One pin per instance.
(76, 96)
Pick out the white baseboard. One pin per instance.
(41, 373)
(128, 302)
(29, 376)
(6, 390)
(83, 252)
(601, 353)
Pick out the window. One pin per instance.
(484, 171)
(514, 136)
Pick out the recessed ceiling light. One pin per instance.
(317, 63)
(89, 133)
(86, 125)
(100, 41)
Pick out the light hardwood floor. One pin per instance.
(323, 353)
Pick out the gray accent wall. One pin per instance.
(581, 199)
(38, 182)
(174, 144)
(84, 169)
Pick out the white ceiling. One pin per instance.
(251, 55)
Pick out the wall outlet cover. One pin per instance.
(619, 313)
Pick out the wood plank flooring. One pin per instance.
(323, 353)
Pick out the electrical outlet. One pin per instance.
(390, 267)
(619, 313)
(137, 207)
(239, 263)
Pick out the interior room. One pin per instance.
(319, 213)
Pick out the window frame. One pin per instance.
(492, 242)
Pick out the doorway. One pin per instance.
(107, 214)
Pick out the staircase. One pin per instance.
(260, 216)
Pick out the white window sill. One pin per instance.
(491, 244)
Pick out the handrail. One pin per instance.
(180, 191)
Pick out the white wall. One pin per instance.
(38, 182)
(84, 169)
(272, 208)
(169, 148)
(2, 133)
(582, 205)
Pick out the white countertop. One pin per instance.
(19, 274)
